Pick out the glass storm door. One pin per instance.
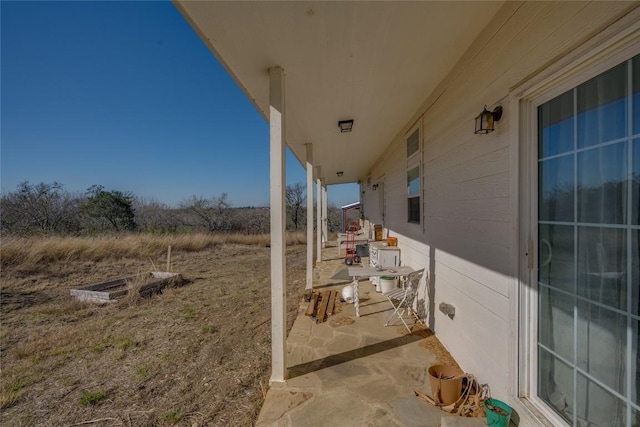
(588, 250)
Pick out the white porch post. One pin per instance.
(278, 242)
(309, 148)
(325, 227)
(318, 216)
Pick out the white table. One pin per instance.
(357, 272)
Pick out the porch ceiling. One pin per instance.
(373, 62)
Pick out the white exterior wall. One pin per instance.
(372, 200)
(469, 236)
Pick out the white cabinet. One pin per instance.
(382, 256)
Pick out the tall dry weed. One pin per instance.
(132, 298)
(261, 240)
(30, 252)
(296, 238)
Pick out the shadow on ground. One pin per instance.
(347, 356)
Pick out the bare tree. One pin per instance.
(40, 208)
(211, 214)
(334, 218)
(250, 220)
(152, 216)
(296, 197)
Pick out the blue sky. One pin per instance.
(126, 95)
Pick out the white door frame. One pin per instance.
(611, 47)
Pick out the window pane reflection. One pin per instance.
(556, 322)
(602, 344)
(555, 383)
(635, 364)
(556, 189)
(602, 107)
(635, 272)
(556, 125)
(602, 184)
(556, 255)
(635, 184)
(597, 406)
(602, 261)
(636, 94)
(413, 181)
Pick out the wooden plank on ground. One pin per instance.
(311, 308)
(332, 302)
(322, 307)
(110, 290)
(307, 294)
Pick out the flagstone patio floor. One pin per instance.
(353, 371)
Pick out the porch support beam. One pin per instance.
(318, 216)
(309, 149)
(325, 221)
(277, 213)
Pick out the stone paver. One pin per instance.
(453, 421)
(351, 371)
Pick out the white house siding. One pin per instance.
(470, 182)
(372, 200)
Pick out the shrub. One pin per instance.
(11, 392)
(91, 398)
(174, 416)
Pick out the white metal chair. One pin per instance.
(402, 299)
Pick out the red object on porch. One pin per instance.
(350, 252)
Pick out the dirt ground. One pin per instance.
(195, 355)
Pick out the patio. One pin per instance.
(351, 371)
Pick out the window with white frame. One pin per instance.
(588, 227)
(413, 177)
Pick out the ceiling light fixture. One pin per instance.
(339, 173)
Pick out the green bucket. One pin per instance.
(498, 413)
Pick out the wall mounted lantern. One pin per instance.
(345, 125)
(339, 173)
(485, 122)
(375, 187)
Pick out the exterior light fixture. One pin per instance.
(375, 187)
(339, 173)
(485, 122)
(345, 125)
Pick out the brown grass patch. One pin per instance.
(194, 355)
(29, 254)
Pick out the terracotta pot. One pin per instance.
(444, 384)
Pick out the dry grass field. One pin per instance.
(194, 355)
